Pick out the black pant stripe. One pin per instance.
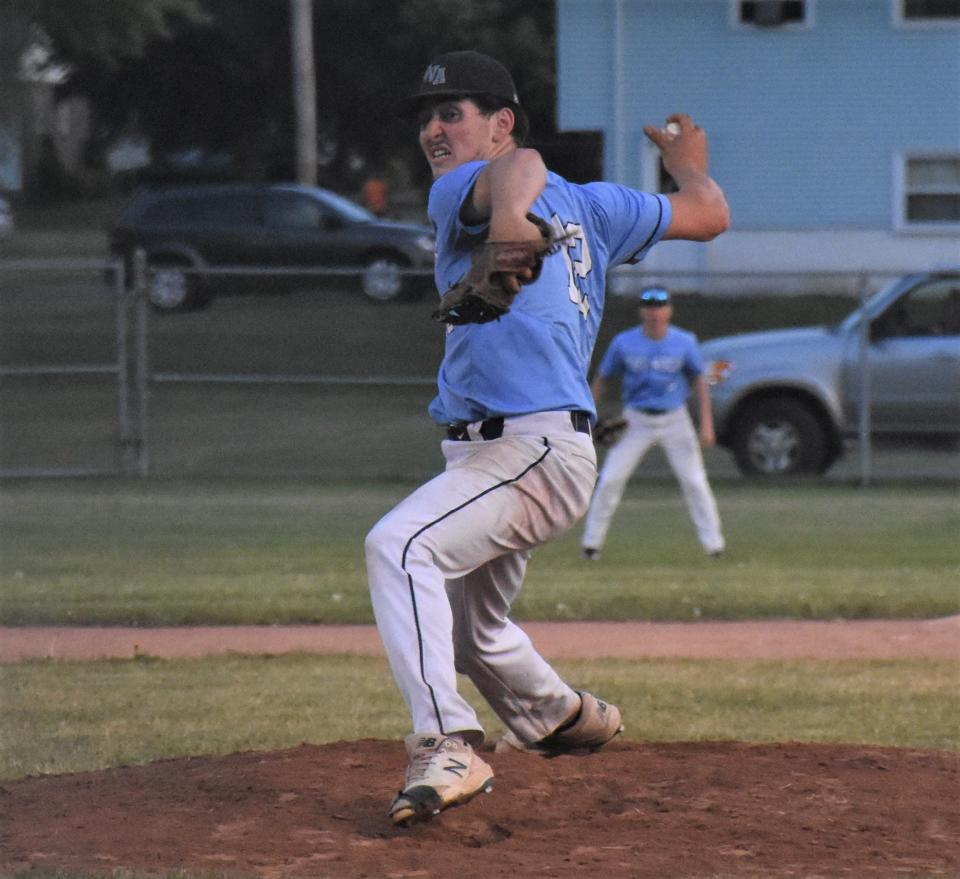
(412, 587)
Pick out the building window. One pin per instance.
(665, 182)
(654, 177)
(772, 13)
(932, 190)
(922, 9)
(926, 13)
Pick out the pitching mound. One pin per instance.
(634, 810)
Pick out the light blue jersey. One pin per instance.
(656, 373)
(536, 357)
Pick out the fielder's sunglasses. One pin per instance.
(654, 297)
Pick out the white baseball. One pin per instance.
(672, 128)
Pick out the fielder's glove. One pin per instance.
(608, 430)
(482, 295)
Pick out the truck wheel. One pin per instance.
(779, 438)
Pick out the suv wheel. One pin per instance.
(382, 279)
(779, 438)
(170, 289)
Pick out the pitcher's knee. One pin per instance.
(382, 545)
(388, 545)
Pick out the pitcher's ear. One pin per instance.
(505, 121)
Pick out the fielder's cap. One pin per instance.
(463, 73)
(653, 297)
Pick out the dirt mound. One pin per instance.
(644, 811)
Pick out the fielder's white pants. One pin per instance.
(675, 433)
(446, 564)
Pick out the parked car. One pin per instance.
(6, 218)
(187, 230)
(785, 400)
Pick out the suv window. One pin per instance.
(232, 209)
(290, 210)
(174, 211)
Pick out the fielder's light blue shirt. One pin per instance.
(536, 357)
(656, 373)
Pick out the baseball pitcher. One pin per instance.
(522, 257)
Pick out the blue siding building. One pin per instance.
(834, 125)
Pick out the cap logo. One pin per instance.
(436, 74)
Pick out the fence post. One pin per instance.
(142, 362)
(864, 419)
(126, 450)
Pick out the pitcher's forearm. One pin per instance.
(506, 189)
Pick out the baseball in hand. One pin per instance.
(672, 128)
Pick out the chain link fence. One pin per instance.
(319, 382)
(67, 401)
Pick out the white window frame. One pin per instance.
(901, 191)
(790, 26)
(901, 22)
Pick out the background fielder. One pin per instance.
(657, 364)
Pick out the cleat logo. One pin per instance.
(456, 767)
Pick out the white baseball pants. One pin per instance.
(675, 433)
(447, 562)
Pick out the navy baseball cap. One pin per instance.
(463, 73)
(654, 297)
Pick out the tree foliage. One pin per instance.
(216, 73)
(101, 31)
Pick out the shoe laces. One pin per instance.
(419, 767)
(423, 762)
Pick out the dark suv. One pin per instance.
(186, 231)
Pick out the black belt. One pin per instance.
(654, 411)
(492, 428)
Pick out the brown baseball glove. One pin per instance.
(482, 294)
(608, 430)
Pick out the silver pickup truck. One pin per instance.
(784, 401)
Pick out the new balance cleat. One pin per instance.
(442, 772)
(595, 725)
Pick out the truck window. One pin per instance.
(929, 310)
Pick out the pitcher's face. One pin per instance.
(453, 132)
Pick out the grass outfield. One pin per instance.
(165, 553)
(66, 716)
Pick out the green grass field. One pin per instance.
(162, 552)
(157, 552)
(67, 716)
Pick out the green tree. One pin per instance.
(99, 31)
(79, 34)
(216, 73)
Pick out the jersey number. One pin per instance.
(576, 254)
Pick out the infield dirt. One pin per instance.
(645, 811)
(631, 811)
